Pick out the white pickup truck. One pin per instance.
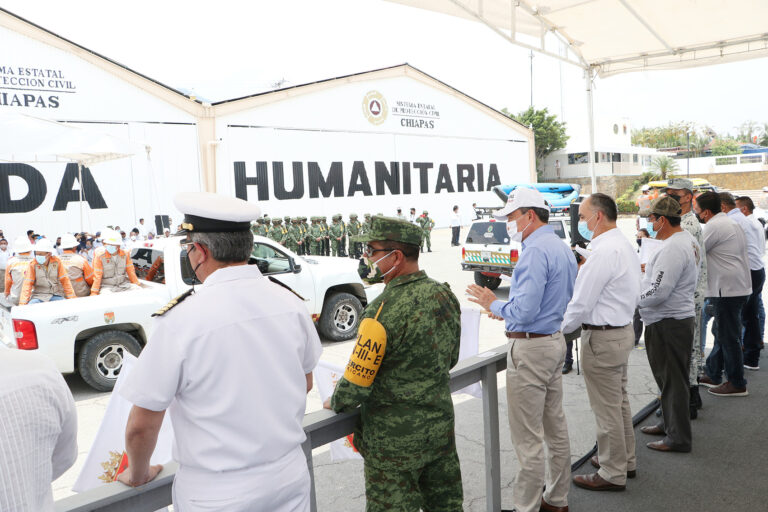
(90, 334)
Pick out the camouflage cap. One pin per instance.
(392, 229)
(425, 212)
(287, 218)
(367, 215)
(352, 215)
(680, 184)
(267, 220)
(277, 221)
(667, 206)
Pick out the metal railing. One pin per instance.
(321, 428)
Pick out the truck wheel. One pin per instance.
(489, 282)
(101, 358)
(340, 317)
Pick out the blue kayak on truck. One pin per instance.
(558, 195)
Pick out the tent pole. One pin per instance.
(591, 120)
(80, 180)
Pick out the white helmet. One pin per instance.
(111, 237)
(43, 245)
(22, 244)
(68, 241)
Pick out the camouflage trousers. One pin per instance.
(315, 247)
(335, 245)
(426, 238)
(435, 487)
(697, 358)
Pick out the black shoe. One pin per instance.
(429, 250)
(696, 397)
(567, 367)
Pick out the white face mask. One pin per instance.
(376, 264)
(133, 239)
(514, 234)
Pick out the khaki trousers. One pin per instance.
(536, 420)
(604, 357)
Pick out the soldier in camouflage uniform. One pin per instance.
(307, 236)
(353, 228)
(343, 245)
(316, 233)
(337, 235)
(292, 240)
(405, 431)
(682, 190)
(301, 227)
(426, 225)
(275, 233)
(326, 236)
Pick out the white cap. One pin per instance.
(521, 198)
(68, 241)
(22, 244)
(205, 212)
(43, 245)
(111, 237)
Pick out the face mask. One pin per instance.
(639, 241)
(133, 239)
(698, 218)
(3, 247)
(376, 264)
(40, 259)
(584, 231)
(111, 249)
(514, 234)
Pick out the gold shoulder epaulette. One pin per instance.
(173, 303)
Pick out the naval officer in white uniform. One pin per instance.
(233, 364)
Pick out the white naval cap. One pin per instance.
(522, 197)
(205, 212)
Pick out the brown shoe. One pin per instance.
(661, 446)
(652, 430)
(631, 473)
(705, 381)
(594, 482)
(728, 389)
(546, 507)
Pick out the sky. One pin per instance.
(229, 49)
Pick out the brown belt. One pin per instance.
(527, 335)
(588, 327)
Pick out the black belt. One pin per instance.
(527, 335)
(588, 327)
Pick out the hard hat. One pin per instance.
(68, 241)
(111, 237)
(22, 244)
(43, 245)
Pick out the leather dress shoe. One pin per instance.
(652, 430)
(594, 482)
(546, 507)
(567, 367)
(661, 446)
(631, 473)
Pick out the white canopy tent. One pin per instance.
(29, 139)
(608, 37)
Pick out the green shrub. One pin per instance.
(626, 205)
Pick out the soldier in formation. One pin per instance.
(426, 226)
(316, 236)
(353, 228)
(337, 235)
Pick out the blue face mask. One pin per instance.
(584, 230)
(111, 249)
(40, 259)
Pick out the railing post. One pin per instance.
(307, 447)
(491, 438)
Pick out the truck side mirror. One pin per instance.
(296, 267)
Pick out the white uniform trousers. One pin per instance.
(280, 486)
(536, 420)
(604, 358)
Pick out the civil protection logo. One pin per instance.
(375, 107)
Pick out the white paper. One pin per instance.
(649, 247)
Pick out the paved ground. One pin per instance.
(340, 485)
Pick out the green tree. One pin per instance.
(763, 140)
(550, 134)
(721, 147)
(747, 130)
(664, 165)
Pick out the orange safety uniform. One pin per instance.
(157, 267)
(14, 277)
(115, 271)
(79, 271)
(44, 282)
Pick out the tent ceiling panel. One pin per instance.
(616, 36)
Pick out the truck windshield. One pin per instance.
(488, 233)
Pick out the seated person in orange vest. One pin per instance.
(46, 277)
(113, 270)
(79, 270)
(17, 266)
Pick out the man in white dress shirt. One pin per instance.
(728, 286)
(747, 207)
(38, 430)
(755, 236)
(233, 363)
(604, 299)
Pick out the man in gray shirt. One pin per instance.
(728, 286)
(667, 308)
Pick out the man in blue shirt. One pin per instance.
(541, 287)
